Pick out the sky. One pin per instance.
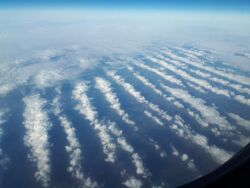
(240, 5)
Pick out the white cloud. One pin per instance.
(237, 87)
(73, 147)
(183, 130)
(105, 87)
(242, 100)
(166, 77)
(121, 140)
(3, 158)
(237, 78)
(209, 114)
(37, 124)
(183, 157)
(103, 129)
(154, 118)
(188, 77)
(47, 78)
(163, 153)
(132, 182)
(146, 82)
(137, 95)
(240, 121)
(85, 107)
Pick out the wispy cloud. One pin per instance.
(37, 125)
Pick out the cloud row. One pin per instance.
(184, 131)
(147, 83)
(36, 138)
(237, 78)
(105, 87)
(107, 128)
(73, 147)
(200, 82)
(85, 108)
(160, 73)
(209, 114)
(137, 95)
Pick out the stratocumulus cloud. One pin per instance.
(73, 147)
(240, 121)
(237, 78)
(3, 158)
(184, 131)
(137, 95)
(121, 140)
(132, 182)
(210, 115)
(105, 87)
(166, 77)
(147, 83)
(186, 76)
(154, 118)
(183, 157)
(85, 108)
(37, 125)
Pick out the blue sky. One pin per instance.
(137, 4)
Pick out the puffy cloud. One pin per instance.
(168, 78)
(85, 107)
(104, 128)
(240, 121)
(183, 157)
(188, 77)
(209, 114)
(237, 78)
(105, 87)
(121, 140)
(73, 147)
(47, 78)
(3, 158)
(132, 182)
(163, 153)
(183, 130)
(37, 124)
(137, 95)
(154, 118)
(147, 83)
(242, 99)
(237, 87)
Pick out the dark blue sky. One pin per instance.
(163, 4)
